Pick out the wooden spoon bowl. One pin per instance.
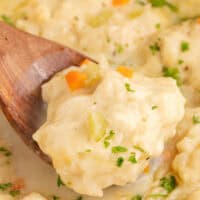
(26, 62)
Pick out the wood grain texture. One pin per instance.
(26, 62)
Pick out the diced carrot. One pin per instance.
(84, 62)
(75, 80)
(198, 20)
(146, 169)
(119, 2)
(125, 71)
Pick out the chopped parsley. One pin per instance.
(119, 48)
(158, 3)
(55, 197)
(5, 151)
(120, 161)
(168, 183)
(171, 6)
(106, 143)
(5, 186)
(185, 46)
(119, 149)
(154, 48)
(137, 197)
(132, 158)
(196, 119)
(60, 182)
(161, 3)
(79, 198)
(7, 20)
(154, 107)
(180, 62)
(172, 72)
(109, 137)
(128, 87)
(157, 25)
(14, 193)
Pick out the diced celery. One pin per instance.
(92, 71)
(97, 126)
(134, 14)
(100, 19)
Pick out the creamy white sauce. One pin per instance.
(123, 38)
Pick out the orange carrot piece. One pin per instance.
(146, 170)
(198, 20)
(75, 80)
(125, 71)
(120, 2)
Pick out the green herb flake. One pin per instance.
(137, 197)
(5, 151)
(171, 6)
(128, 87)
(119, 149)
(172, 72)
(60, 182)
(157, 26)
(196, 119)
(120, 161)
(185, 46)
(14, 193)
(132, 158)
(168, 183)
(180, 62)
(119, 48)
(5, 186)
(7, 20)
(161, 3)
(154, 48)
(111, 135)
(158, 3)
(106, 144)
(154, 107)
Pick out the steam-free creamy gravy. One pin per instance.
(153, 40)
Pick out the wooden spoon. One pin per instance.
(26, 62)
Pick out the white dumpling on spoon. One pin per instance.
(104, 125)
